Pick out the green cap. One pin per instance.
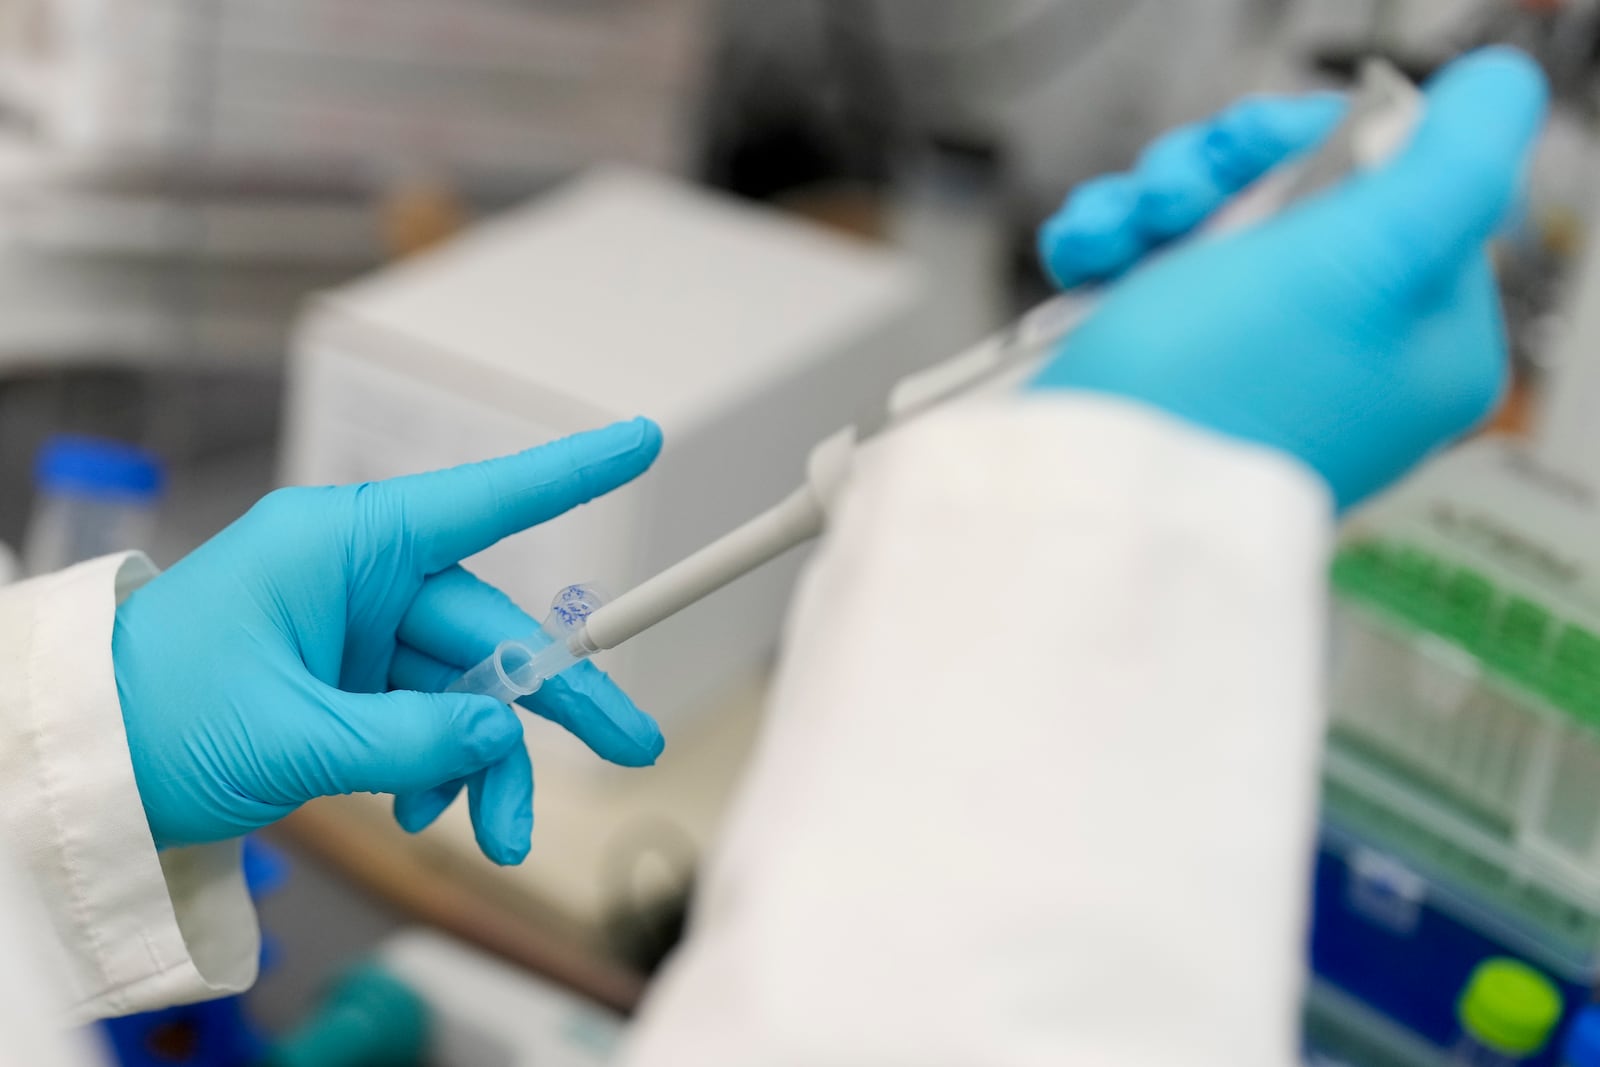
(1509, 1007)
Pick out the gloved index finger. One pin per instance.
(1109, 224)
(1260, 132)
(1093, 236)
(1187, 175)
(452, 514)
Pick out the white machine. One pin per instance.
(746, 335)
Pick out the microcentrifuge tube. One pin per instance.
(519, 667)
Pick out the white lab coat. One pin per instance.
(1038, 786)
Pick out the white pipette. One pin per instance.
(1384, 110)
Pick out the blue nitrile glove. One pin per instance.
(1111, 223)
(1358, 330)
(252, 674)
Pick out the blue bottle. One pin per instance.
(1582, 1047)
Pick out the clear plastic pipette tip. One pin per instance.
(518, 668)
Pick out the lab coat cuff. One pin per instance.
(140, 929)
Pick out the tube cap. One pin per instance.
(1583, 1040)
(92, 466)
(1509, 1007)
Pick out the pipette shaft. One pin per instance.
(792, 521)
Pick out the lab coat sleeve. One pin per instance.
(30, 1030)
(1038, 783)
(135, 929)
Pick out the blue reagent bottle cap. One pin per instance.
(1582, 1048)
(90, 466)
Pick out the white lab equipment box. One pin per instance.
(747, 335)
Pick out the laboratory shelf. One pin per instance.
(1478, 696)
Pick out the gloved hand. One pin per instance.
(252, 675)
(1111, 223)
(1358, 330)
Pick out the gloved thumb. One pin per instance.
(404, 742)
(1448, 190)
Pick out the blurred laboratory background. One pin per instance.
(246, 243)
